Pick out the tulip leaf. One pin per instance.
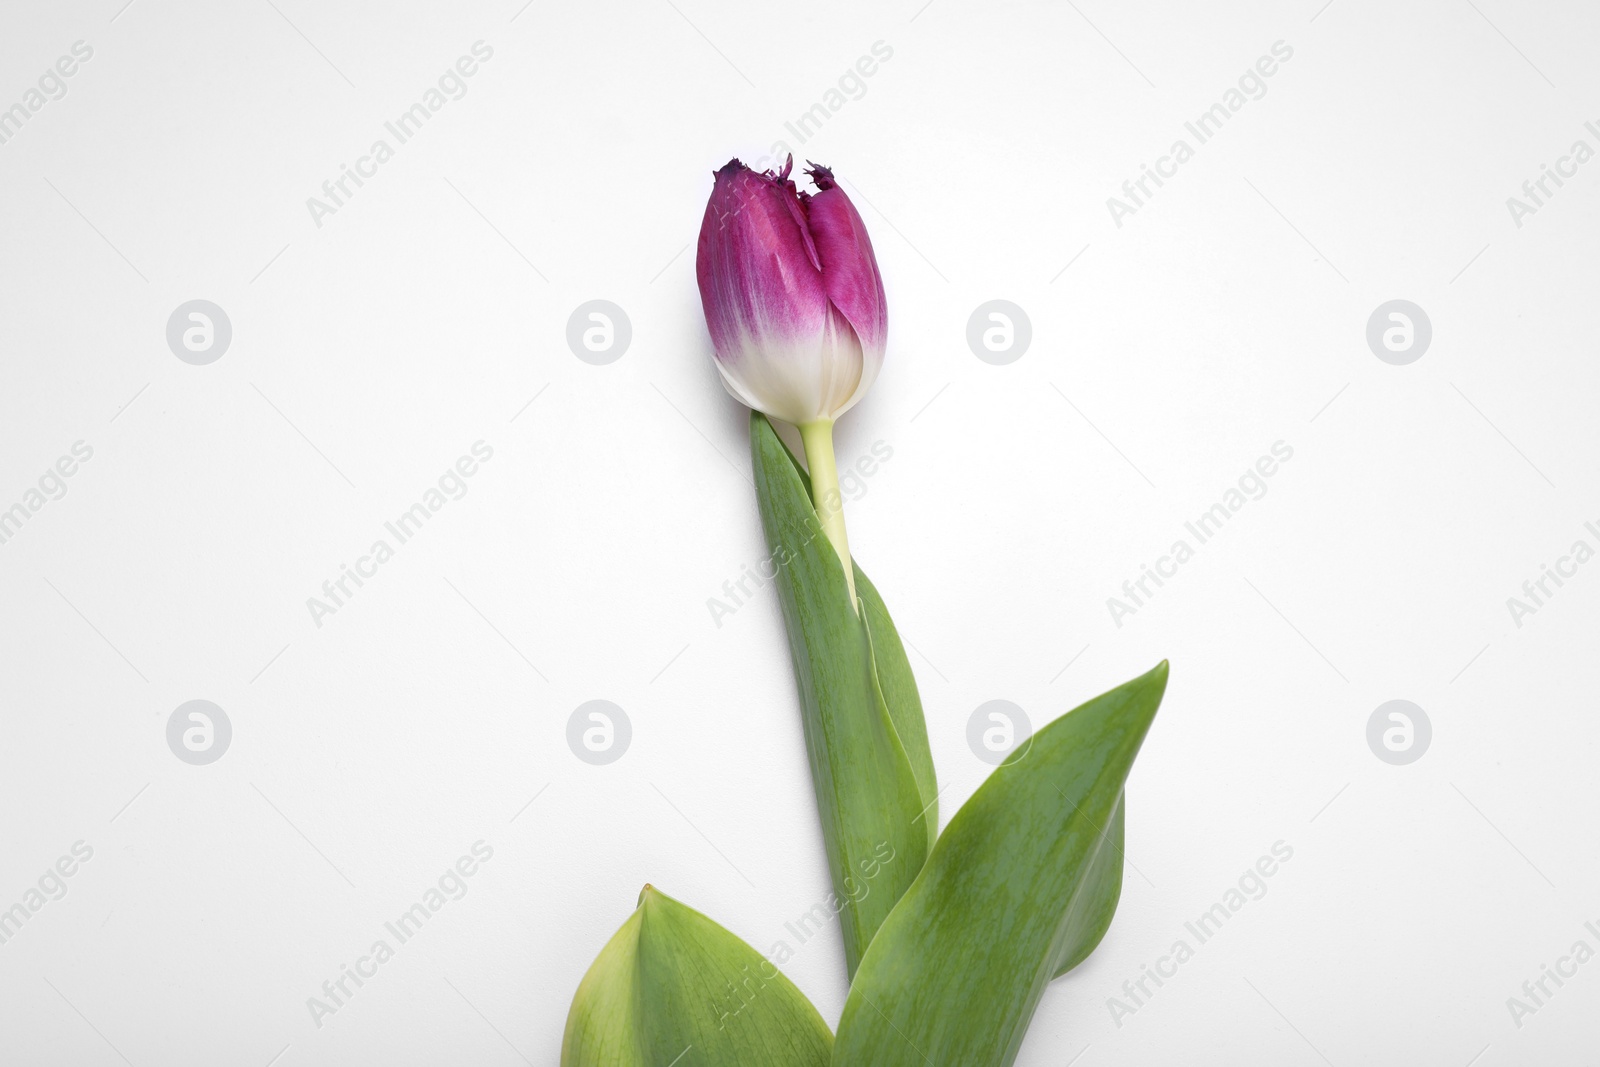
(1005, 900)
(898, 684)
(1102, 888)
(865, 737)
(673, 985)
(899, 690)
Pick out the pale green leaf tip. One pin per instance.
(1156, 675)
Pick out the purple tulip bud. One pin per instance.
(791, 292)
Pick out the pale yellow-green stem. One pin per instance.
(817, 437)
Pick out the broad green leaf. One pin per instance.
(671, 986)
(865, 738)
(956, 971)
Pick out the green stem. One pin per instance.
(825, 496)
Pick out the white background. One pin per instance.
(369, 353)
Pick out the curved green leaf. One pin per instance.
(896, 682)
(1102, 888)
(956, 971)
(868, 748)
(673, 985)
(899, 690)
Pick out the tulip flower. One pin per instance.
(796, 311)
(951, 939)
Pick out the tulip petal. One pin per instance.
(757, 266)
(849, 268)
